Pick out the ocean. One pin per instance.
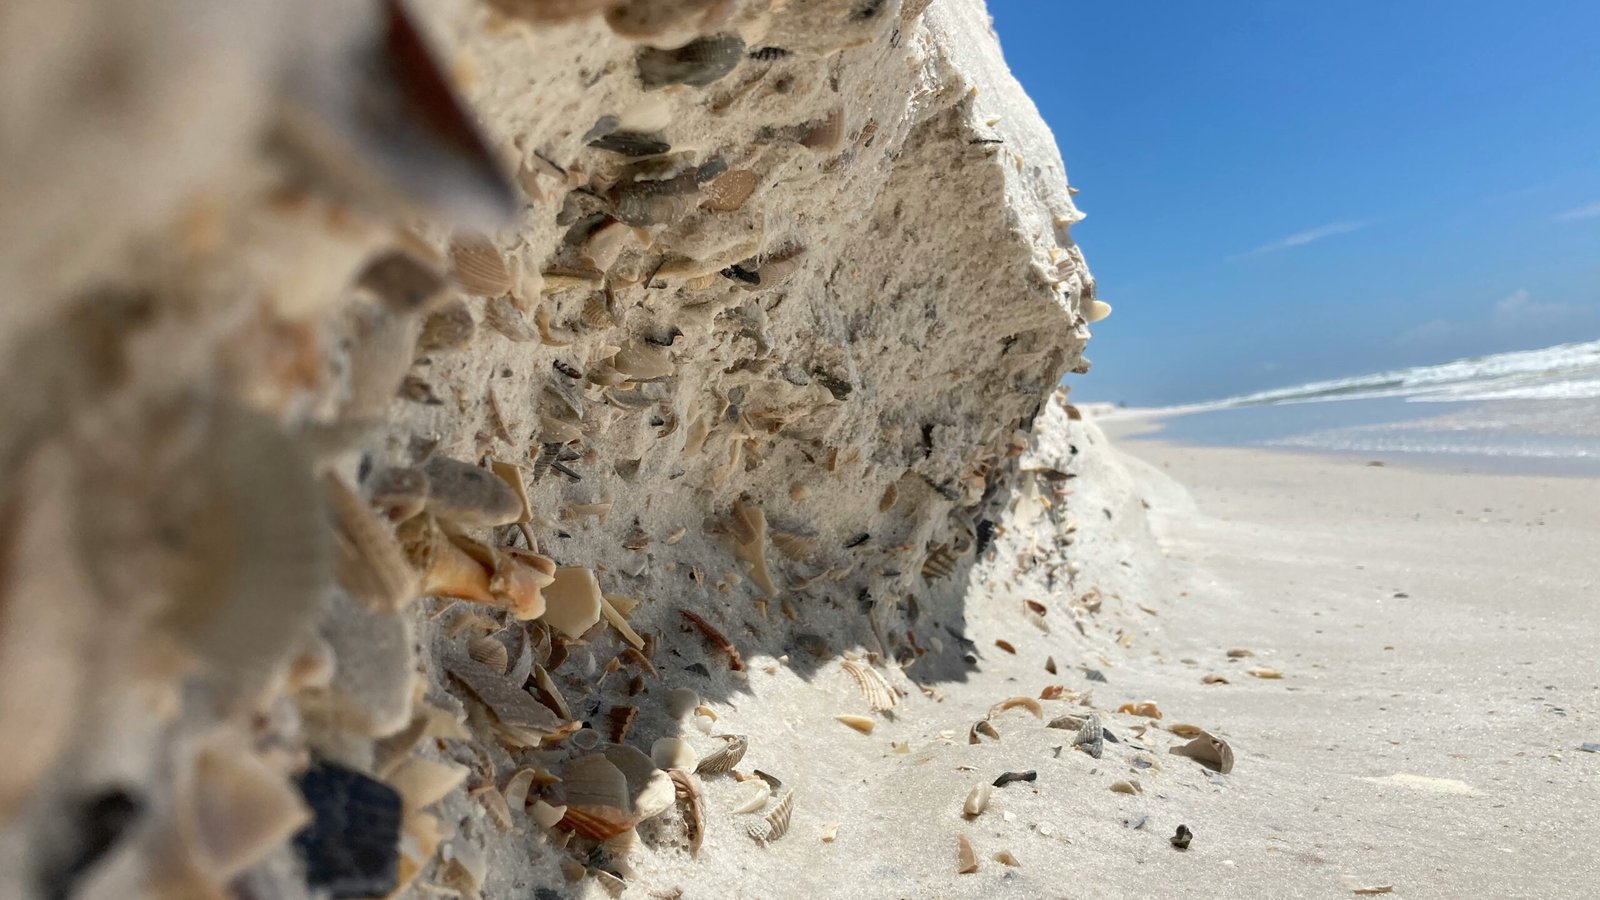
(1535, 410)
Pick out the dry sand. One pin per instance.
(1427, 742)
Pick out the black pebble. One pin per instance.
(1182, 838)
(352, 846)
(739, 273)
(985, 534)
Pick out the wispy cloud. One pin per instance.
(1311, 236)
(1592, 211)
(1520, 307)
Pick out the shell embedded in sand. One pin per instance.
(698, 63)
(1091, 736)
(502, 314)
(1125, 787)
(598, 805)
(689, 794)
(1027, 703)
(546, 816)
(369, 563)
(1264, 672)
(862, 724)
(621, 718)
(982, 727)
(470, 496)
(491, 652)
(1213, 678)
(977, 800)
(1240, 653)
(1055, 692)
(966, 857)
(1147, 708)
(729, 191)
(1005, 858)
(478, 267)
(724, 758)
(717, 639)
(829, 832)
(423, 782)
(509, 703)
(749, 529)
(756, 794)
(573, 601)
(1006, 646)
(940, 562)
(673, 753)
(620, 623)
(874, 689)
(681, 702)
(1208, 750)
(236, 812)
(776, 823)
(550, 694)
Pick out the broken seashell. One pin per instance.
(1050, 664)
(238, 810)
(369, 563)
(705, 712)
(717, 639)
(494, 803)
(1185, 730)
(977, 800)
(517, 788)
(749, 531)
(1005, 858)
(1213, 678)
(1091, 736)
(724, 758)
(688, 793)
(699, 62)
(399, 493)
(1264, 672)
(550, 694)
(478, 267)
(641, 362)
(755, 797)
(502, 314)
(573, 601)
(681, 702)
(966, 858)
(1125, 787)
(982, 727)
(1096, 310)
(606, 243)
(512, 476)
(1054, 692)
(598, 803)
(1006, 646)
(423, 782)
(510, 704)
(862, 724)
(621, 720)
(729, 191)
(546, 816)
(829, 832)
(491, 652)
(1009, 777)
(620, 624)
(776, 823)
(1028, 703)
(673, 753)
(1208, 750)
(1147, 708)
(448, 327)
(1240, 654)
(470, 496)
(878, 694)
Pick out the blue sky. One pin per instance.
(1285, 191)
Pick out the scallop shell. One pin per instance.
(478, 266)
(681, 702)
(756, 796)
(490, 652)
(688, 792)
(874, 689)
(966, 858)
(939, 563)
(776, 823)
(724, 758)
(370, 564)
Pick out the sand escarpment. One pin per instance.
(513, 383)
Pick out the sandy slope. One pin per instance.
(1428, 742)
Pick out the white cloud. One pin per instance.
(1311, 236)
(1592, 211)
(1520, 307)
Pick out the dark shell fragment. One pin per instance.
(352, 846)
(699, 62)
